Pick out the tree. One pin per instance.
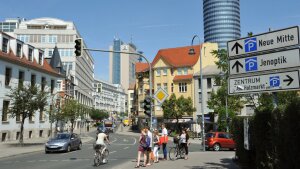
(71, 111)
(98, 115)
(177, 108)
(25, 101)
(217, 101)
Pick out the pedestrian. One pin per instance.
(156, 143)
(164, 136)
(184, 138)
(141, 149)
(149, 149)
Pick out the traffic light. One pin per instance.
(78, 47)
(147, 106)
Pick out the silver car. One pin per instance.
(63, 142)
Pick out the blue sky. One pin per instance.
(151, 24)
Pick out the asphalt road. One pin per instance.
(122, 149)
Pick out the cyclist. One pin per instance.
(101, 137)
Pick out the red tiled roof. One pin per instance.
(183, 77)
(141, 67)
(178, 57)
(46, 68)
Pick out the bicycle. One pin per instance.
(176, 151)
(101, 154)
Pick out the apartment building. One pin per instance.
(26, 64)
(109, 97)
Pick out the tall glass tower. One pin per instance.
(116, 76)
(221, 21)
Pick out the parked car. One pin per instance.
(219, 140)
(63, 142)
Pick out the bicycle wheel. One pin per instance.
(182, 153)
(173, 153)
(97, 160)
(105, 154)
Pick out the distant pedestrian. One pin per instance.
(141, 149)
(149, 149)
(183, 139)
(164, 136)
(156, 143)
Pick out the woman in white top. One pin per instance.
(183, 139)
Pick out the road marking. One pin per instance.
(114, 140)
(31, 161)
(125, 148)
(112, 152)
(42, 160)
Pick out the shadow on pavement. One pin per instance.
(24, 144)
(225, 163)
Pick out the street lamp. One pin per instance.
(150, 71)
(192, 52)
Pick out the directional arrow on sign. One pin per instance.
(290, 80)
(237, 64)
(236, 46)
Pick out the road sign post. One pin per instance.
(267, 62)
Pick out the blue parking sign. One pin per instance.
(250, 44)
(274, 81)
(251, 64)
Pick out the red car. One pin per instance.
(218, 140)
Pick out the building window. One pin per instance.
(200, 97)
(4, 45)
(208, 96)
(165, 71)
(141, 89)
(179, 71)
(166, 87)
(157, 72)
(40, 58)
(30, 51)
(52, 85)
(172, 87)
(41, 117)
(158, 85)
(33, 79)
(50, 52)
(182, 87)
(199, 83)
(21, 78)
(43, 83)
(209, 83)
(19, 48)
(7, 76)
(131, 95)
(52, 39)
(43, 37)
(185, 71)
(5, 110)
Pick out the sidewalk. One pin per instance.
(197, 160)
(12, 148)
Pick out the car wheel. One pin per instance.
(216, 147)
(46, 152)
(79, 146)
(68, 148)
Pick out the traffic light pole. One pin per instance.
(150, 72)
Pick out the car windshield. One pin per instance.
(63, 136)
(210, 135)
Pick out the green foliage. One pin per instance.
(217, 101)
(71, 110)
(24, 102)
(274, 137)
(176, 108)
(98, 115)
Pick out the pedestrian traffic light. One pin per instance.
(78, 47)
(147, 106)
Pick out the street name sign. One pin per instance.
(161, 95)
(264, 83)
(265, 62)
(266, 41)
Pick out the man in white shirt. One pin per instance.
(100, 139)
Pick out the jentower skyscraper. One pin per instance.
(221, 21)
